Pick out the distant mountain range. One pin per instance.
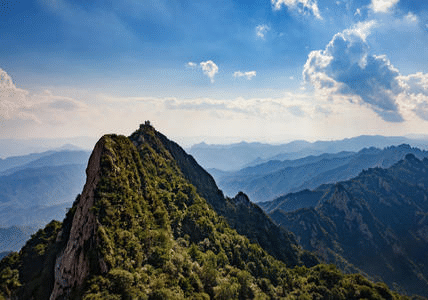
(36, 188)
(233, 157)
(23, 147)
(272, 179)
(377, 221)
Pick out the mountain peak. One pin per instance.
(404, 146)
(242, 199)
(411, 158)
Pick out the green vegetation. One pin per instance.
(159, 239)
(243, 216)
(29, 273)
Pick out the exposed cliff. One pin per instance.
(72, 265)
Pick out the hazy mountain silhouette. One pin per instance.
(275, 178)
(377, 221)
(232, 157)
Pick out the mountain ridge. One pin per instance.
(232, 157)
(380, 212)
(275, 178)
(139, 230)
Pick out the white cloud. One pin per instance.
(414, 95)
(191, 65)
(261, 30)
(383, 6)
(48, 101)
(19, 104)
(411, 18)
(12, 99)
(345, 69)
(357, 12)
(265, 108)
(249, 75)
(303, 6)
(209, 68)
(415, 83)
(361, 29)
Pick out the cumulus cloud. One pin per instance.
(415, 93)
(209, 68)
(383, 6)
(12, 99)
(415, 83)
(346, 68)
(19, 104)
(261, 30)
(249, 75)
(303, 6)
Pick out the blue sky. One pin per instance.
(214, 71)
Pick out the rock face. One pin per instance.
(72, 265)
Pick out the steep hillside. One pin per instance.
(376, 221)
(275, 178)
(140, 230)
(247, 218)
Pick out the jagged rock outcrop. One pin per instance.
(72, 266)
